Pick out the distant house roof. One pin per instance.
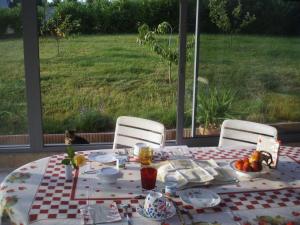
(4, 3)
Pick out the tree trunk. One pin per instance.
(170, 77)
(57, 44)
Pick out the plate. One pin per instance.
(102, 157)
(248, 174)
(200, 198)
(171, 211)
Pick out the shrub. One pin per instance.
(15, 19)
(214, 106)
(10, 17)
(124, 16)
(3, 20)
(92, 121)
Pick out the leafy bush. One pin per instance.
(10, 17)
(92, 121)
(3, 20)
(89, 120)
(15, 19)
(124, 16)
(214, 106)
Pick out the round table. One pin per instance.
(37, 193)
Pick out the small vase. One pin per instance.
(68, 172)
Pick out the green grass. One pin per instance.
(95, 79)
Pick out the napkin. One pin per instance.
(167, 173)
(210, 166)
(184, 171)
(100, 213)
(198, 175)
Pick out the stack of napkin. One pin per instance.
(184, 171)
(189, 173)
(100, 213)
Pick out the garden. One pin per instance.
(94, 70)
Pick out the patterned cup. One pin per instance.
(155, 205)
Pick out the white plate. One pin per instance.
(200, 198)
(171, 211)
(102, 157)
(248, 174)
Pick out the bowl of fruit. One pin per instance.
(253, 166)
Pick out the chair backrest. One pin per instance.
(239, 132)
(132, 130)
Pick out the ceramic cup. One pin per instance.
(136, 149)
(155, 205)
(109, 175)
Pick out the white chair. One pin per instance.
(132, 130)
(245, 133)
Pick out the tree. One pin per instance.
(231, 23)
(60, 27)
(159, 46)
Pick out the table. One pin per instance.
(37, 192)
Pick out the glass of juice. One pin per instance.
(145, 155)
(148, 177)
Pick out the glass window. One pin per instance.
(13, 107)
(249, 63)
(94, 70)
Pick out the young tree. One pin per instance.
(229, 22)
(160, 47)
(60, 27)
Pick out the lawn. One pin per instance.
(97, 78)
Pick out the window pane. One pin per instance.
(13, 111)
(249, 67)
(97, 71)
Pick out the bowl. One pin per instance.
(108, 175)
(249, 174)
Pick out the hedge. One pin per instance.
(273, 17)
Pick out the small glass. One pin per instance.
(148, 177)
(145, 155)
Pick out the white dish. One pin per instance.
(248, 174)
(171, 211)
(200, 198)
(102, 157)
(108, 175)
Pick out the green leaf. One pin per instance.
(74, 164)
(70, 152)
(66, 161)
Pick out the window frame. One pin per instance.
(33, 90)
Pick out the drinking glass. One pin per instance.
(148, 177)
(145, 155)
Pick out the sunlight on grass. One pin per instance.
(105, 76)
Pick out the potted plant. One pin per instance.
(213, 107)
(72, 161)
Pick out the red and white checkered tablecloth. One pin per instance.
(51, 197)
